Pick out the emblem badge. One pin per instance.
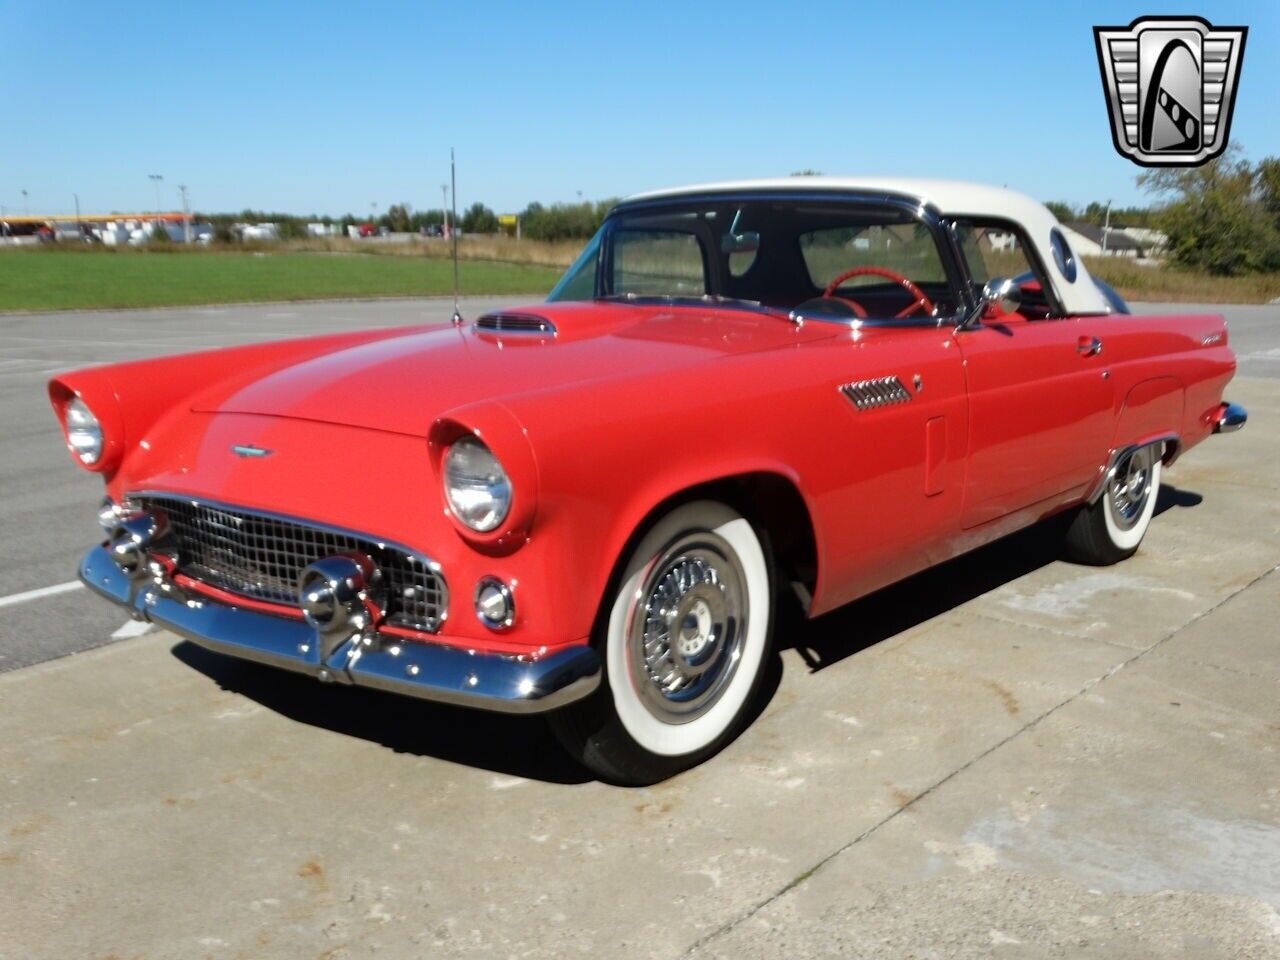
(1170, 84)
(248, 450)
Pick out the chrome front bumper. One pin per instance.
(425, 670)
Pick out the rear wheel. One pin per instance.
(1110, 529)
(683, 646)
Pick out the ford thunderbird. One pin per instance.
(590, 507)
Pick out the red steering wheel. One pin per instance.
(921, 302)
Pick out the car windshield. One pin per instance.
(827, 259)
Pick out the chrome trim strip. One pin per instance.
(380, 542)
(1231, 417)
(428, 671)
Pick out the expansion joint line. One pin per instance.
(1088, 685)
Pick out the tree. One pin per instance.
(1062, 210)
(397, 218)
(1220, 216)
(479, 219)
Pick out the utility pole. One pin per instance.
(26, 208)
(1106, 228)
(186, 214)
(444, 209)
(79, 225)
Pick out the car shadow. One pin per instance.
(525, 746)
(835, 636)
(513, 746)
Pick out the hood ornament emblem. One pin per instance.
(248, 450)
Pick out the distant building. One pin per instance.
(1086, 239)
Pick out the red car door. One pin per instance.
(1040, 411)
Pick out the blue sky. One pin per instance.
(330, 107)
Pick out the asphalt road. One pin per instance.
(1005, 757)
(47, 517)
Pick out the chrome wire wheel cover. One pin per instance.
(1130, 487)
(685, 634)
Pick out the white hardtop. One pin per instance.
(952, 198)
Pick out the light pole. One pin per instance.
(79, 225)
(444, 209)
(157, 179)
(186, 214)
(1106, 228)
(26, 209)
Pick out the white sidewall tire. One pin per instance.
(1129, 539)
(679, 739)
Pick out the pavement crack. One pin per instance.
(1088, 685)
(1044, 628)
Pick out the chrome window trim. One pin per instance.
(381, 542)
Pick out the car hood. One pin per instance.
(401, 384)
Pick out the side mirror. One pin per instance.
(748, 242)
(1001, 296)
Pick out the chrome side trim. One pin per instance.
(880, 392)
(516, 323)
(428, 671)
(1231, 417)
(1169, 451)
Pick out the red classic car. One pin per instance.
(590, 506)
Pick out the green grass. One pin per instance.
(62, 280)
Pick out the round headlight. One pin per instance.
(84, 433)
(475, 485)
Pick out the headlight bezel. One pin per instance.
(93, 391)
(476, 485)
(502, 432)
(86, 438)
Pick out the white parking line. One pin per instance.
(39, 592)
(131, 628)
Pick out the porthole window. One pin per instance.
(1062, 255)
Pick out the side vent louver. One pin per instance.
(880, 392)
(516, 323)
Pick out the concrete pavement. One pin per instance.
(1007, 756)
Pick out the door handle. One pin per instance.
(1089, 346)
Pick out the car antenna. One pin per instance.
(453, 176)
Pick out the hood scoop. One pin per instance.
(516, 323)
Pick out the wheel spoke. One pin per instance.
(686, 636)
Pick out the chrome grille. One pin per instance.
(881, 392)
(260, 556)
(515, 323)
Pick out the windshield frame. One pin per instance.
(923, 213)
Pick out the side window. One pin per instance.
(992, 250)
(658, 263)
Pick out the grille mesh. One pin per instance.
(515, 323)
(260, 556)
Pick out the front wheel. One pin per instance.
(683, 648)
(1110, 529)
